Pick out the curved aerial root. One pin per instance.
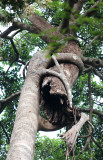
(71, 135)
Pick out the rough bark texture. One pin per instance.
(49, 32)
(28, 108)
(23, 140)
(71, 135)
(54, 96)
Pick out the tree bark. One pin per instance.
(22, 143)
(52, 86)
(24, 133)
(25, 128)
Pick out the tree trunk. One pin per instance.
(53, 90)
(23, 137)
(24, 132)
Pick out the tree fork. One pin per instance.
(19, 143)
(70, 70)
(72, 134)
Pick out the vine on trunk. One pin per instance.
(62, 112)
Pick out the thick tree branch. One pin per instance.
(61, 58)
(94, 111)
(3, 102)
(87, 69)
(8, 31)
(46, 33)
(40, 25)
(93, 62)
(16, 26)
(90, 68)
(74, 14)
(68, 5)
(10, 97)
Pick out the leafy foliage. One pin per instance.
(49, 149)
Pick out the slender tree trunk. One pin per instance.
(23, 137)
(22, 142)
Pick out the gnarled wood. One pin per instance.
(54, 95)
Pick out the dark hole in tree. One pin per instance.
(54, 106)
